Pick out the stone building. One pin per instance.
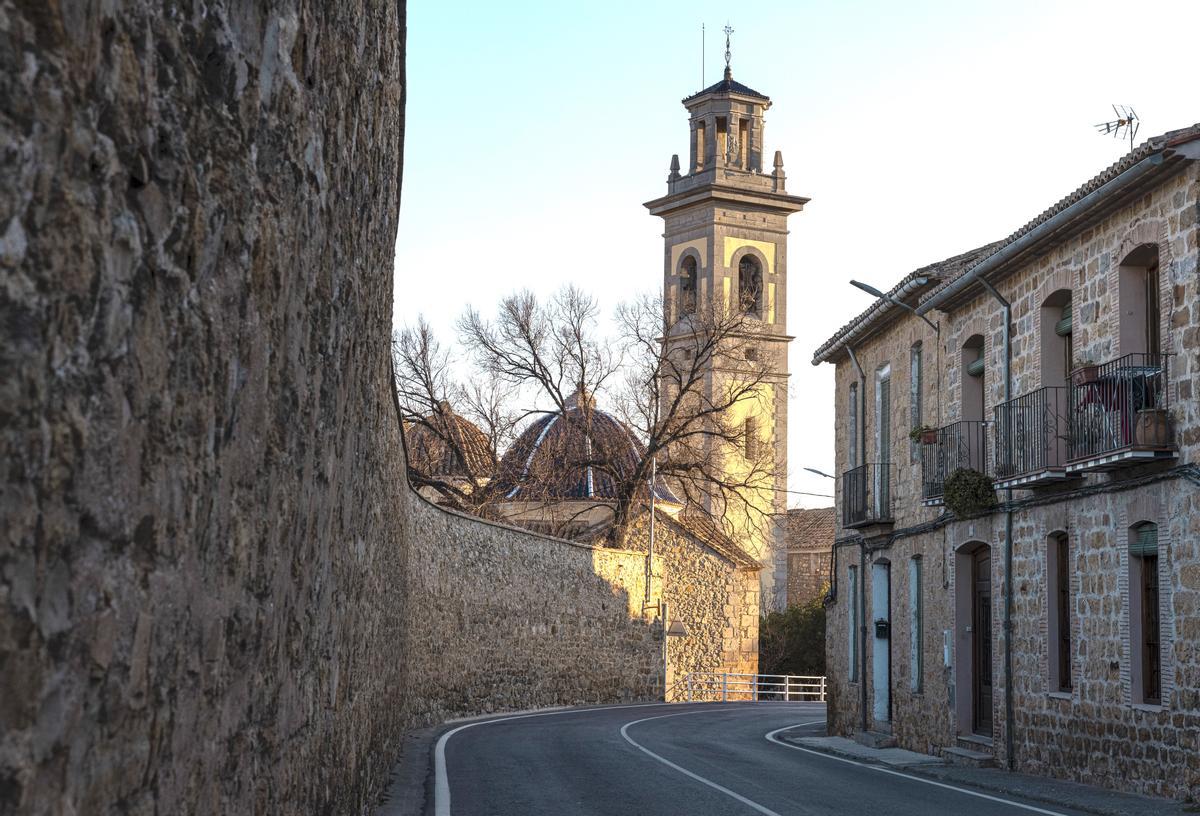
(447, 453)
(725, 243)
(809, 542)
(1055, 631)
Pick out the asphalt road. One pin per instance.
(690, 760)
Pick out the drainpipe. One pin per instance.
(1008, 543)
(861, 419)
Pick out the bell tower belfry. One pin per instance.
(725, 235)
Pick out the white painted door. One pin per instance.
(881, 641)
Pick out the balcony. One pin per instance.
(960, 445)
(1031, 439)
(1120, 414)
(867, 495)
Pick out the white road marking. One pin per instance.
(772, 738)
(441, 781)
(733, 795)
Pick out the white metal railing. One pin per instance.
(724, 686)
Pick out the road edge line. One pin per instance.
(770, 737)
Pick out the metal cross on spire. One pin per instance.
(728, 31)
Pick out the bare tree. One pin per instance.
(690, 392)
(549, 351)
(693, 391)
(455, 461)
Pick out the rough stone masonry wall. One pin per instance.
(502, 619)
(200, 545)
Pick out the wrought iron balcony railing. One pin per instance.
(867, 495)
(1031, 435)
(1119, 413)
(960, 445)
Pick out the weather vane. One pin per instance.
(728, 31)
(1126, 118)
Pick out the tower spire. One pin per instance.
(728, 70)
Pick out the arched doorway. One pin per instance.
(973, 639)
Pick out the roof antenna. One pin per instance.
(1126, 118)
(703, 52)
(728, 71)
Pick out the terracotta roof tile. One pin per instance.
(810, 529)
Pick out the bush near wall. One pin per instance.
(793, 641)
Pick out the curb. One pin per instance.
(926, 772)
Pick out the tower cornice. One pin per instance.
(708, 193)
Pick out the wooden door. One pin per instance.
(981, 633)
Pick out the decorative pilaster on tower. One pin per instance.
(726, 223)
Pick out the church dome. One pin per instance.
(430, 454)
(577, 455)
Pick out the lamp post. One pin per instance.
(820, 473)
(871, 290)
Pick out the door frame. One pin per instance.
(964, 642)
(881, 648)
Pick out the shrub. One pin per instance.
(793, 641)
(968, 493)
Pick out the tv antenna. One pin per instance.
(1127, 119)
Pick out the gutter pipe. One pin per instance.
(1009, 716)
(861, 421)
(1047, 227)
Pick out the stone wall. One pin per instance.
(807, 576)
(200, 548)
(504, 619)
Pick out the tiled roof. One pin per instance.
(1147, 148)
(728, 85)
(935, 272)
(810, 529)
(943, 273)
(430, 454)
(704, 528)
(581, 453)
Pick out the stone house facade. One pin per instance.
(809, 540)
(1062, 364)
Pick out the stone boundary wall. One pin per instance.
(503, 619)
(201, 552)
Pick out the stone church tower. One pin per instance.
(726, 234)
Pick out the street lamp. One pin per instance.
(820, 473)
(871, 290)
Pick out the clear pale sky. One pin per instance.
(922, 129)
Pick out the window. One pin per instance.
(750, 433)
(914, 389)
(916, 623)
(852, 426)
(1058, 356)
(1058, 611)
(1153, 310)
(750, 285)
(687, 286)
(1145, 632)
(852, 642)
(972, 379)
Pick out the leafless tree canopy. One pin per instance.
(689, 391)
(457, 465)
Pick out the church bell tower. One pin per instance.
(725, 225)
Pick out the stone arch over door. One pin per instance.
(974, 638)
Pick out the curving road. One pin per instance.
(694, 760)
